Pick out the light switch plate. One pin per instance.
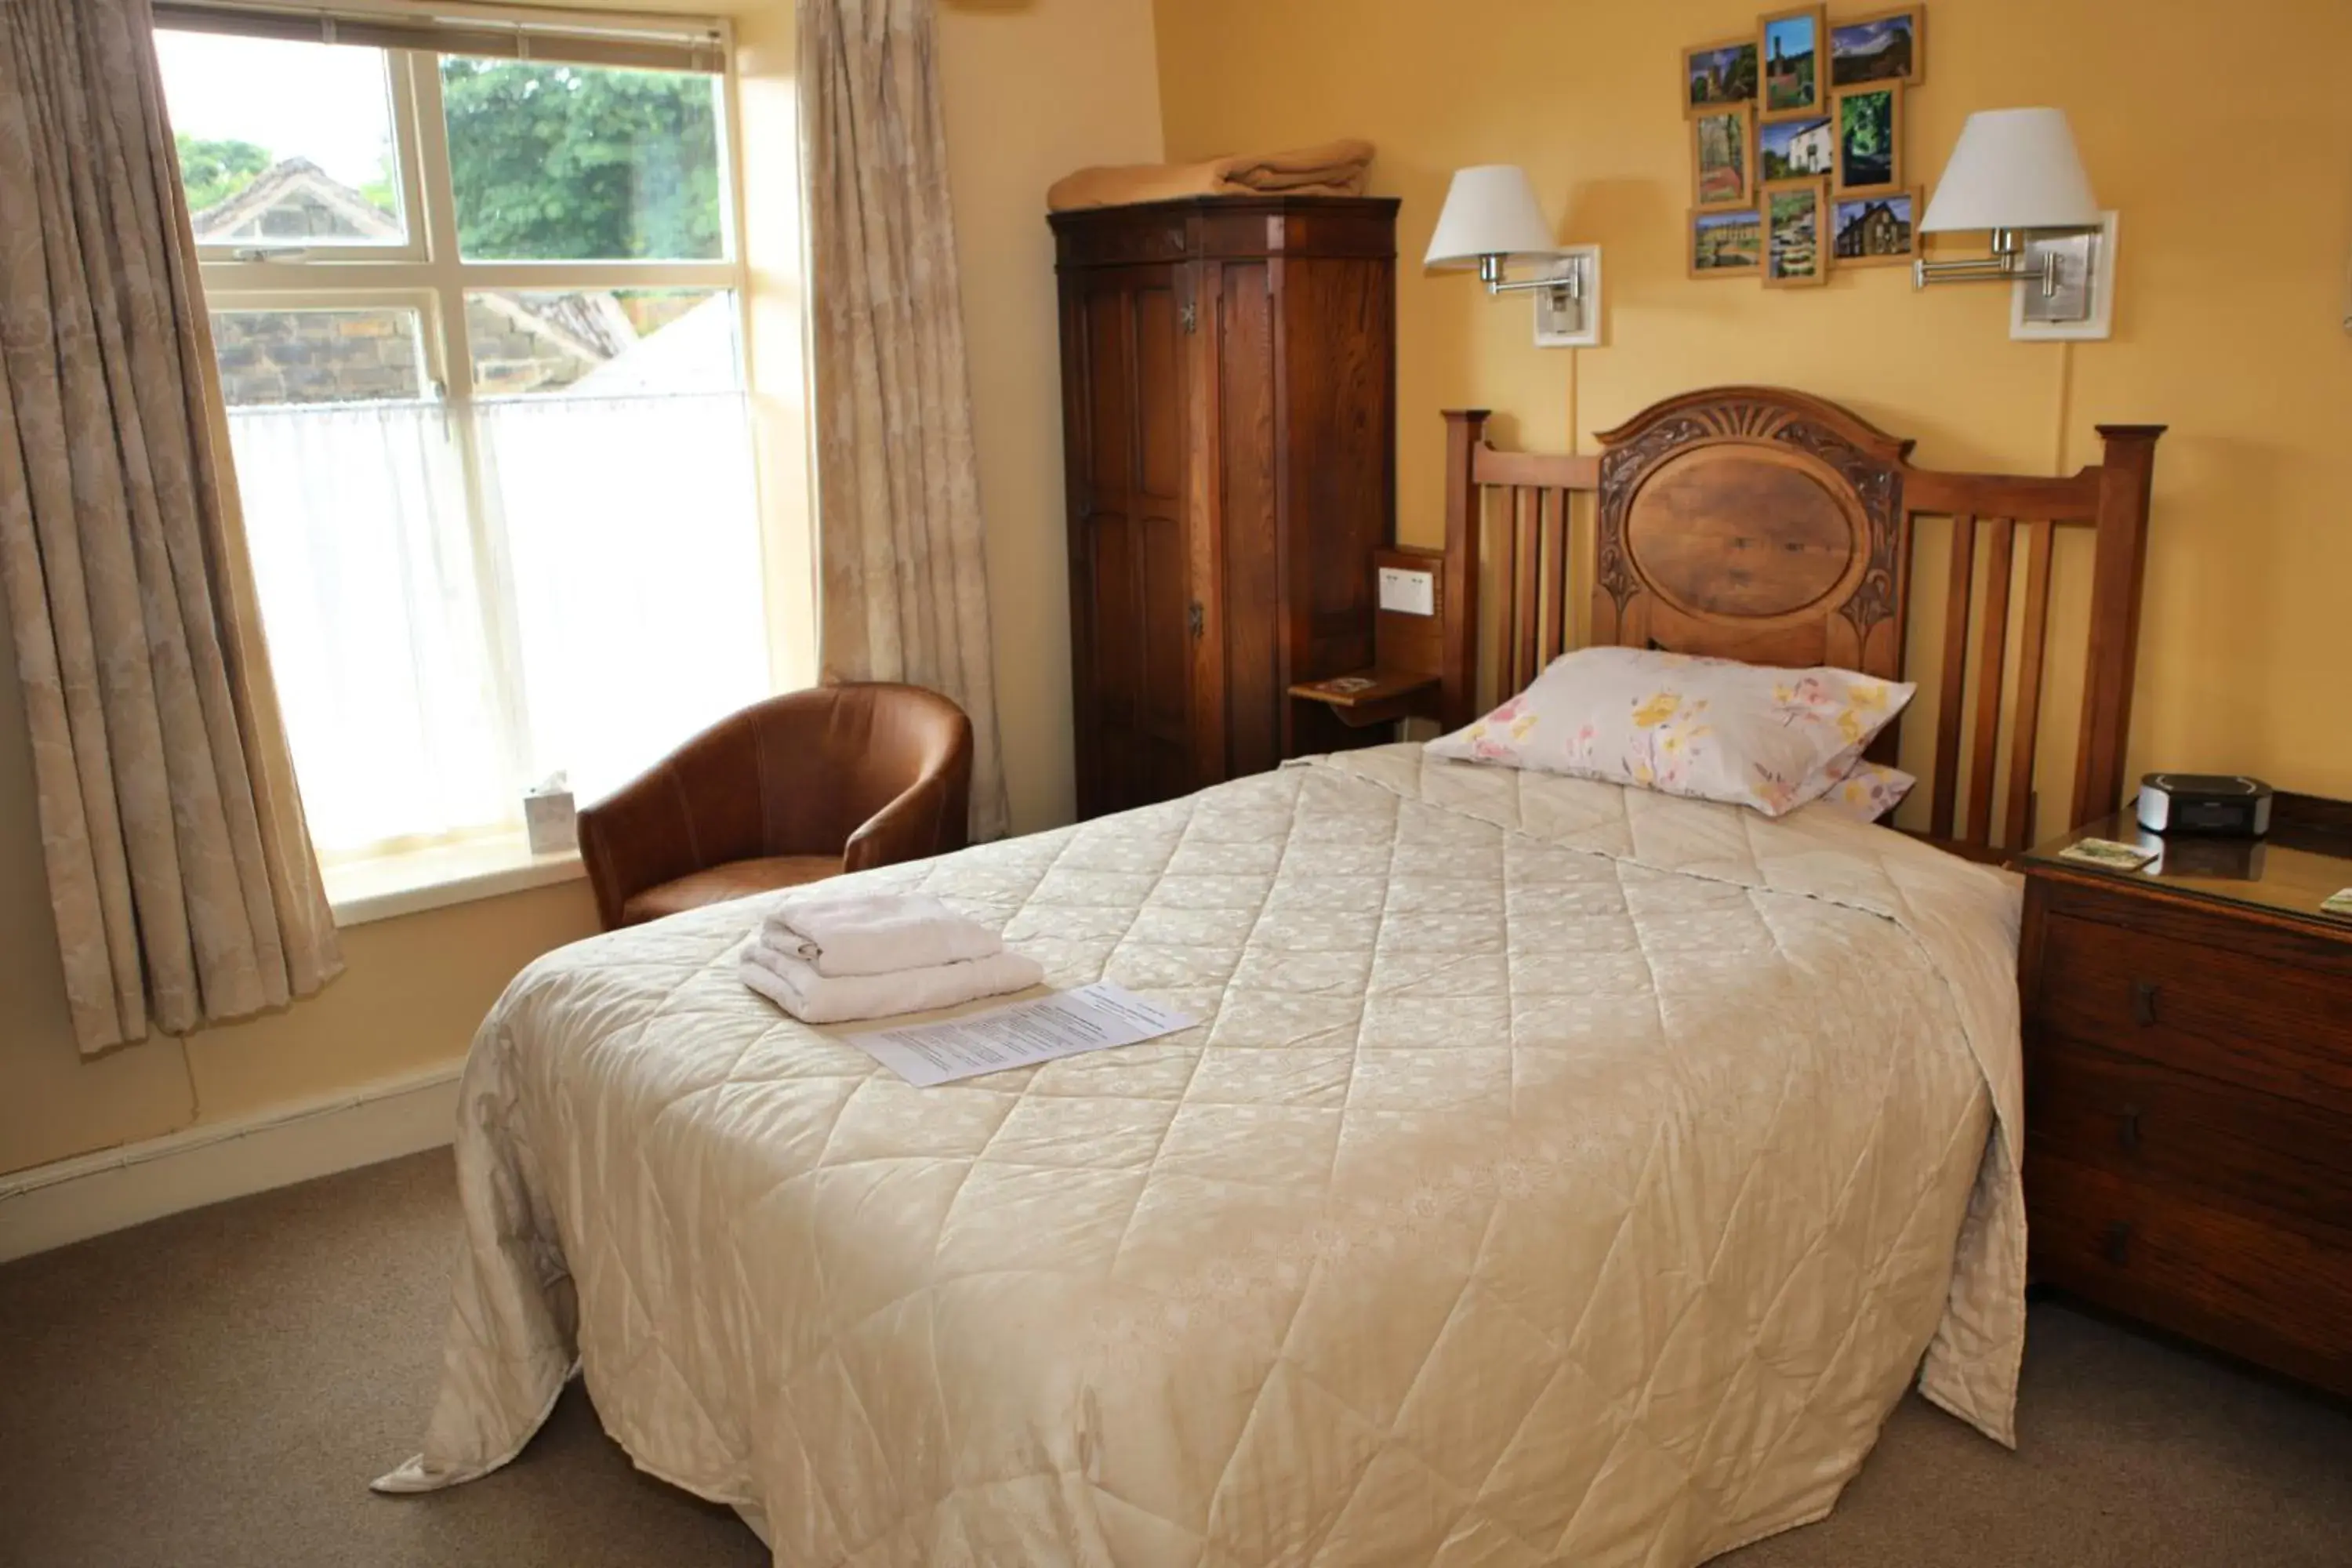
(1409, 593)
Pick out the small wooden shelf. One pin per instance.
(1368, 697)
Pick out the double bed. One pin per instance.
(1557, 1172)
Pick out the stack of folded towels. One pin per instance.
(869, 955)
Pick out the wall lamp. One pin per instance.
(2015, 174)
(1491, 218)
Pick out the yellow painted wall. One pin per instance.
(1033, 90)
(1033, 87)
(2233, 174)
(2230, 162)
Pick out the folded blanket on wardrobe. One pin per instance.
(793, 985)
(875, 934)
(1333, 169)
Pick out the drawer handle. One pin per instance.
(2117, 1243)
(2128, 1132)
(2143, 1001)
(1175, 239)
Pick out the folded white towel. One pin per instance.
(793, 984)
(875, 934)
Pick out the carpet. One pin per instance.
(218, 1387)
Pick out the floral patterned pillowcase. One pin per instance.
(1710, 728)
(1871, 790)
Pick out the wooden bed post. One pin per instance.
(1465, 431)
(2124, 483)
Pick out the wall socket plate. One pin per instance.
(1409, 592)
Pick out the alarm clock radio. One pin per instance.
(2205, 803)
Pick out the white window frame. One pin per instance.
(428, 274)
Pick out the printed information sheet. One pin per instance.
(1019, 1034)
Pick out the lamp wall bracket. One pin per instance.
(2063, 280)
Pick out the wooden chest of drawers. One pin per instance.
(2188, 1092)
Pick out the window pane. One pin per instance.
(603, 342)
(361, 355)
(283, 144)
(562, 163)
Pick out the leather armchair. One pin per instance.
(791, 790)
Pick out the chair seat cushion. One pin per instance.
(734, 879)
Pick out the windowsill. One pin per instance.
(407, 884)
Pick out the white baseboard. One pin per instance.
(90, 1195)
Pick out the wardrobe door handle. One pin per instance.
(2128, 1130)
(2117, 1245)
(2143, 1001)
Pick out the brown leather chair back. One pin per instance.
(873, 773)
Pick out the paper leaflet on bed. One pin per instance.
(1020, 1034)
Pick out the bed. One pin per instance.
(1558, 1173)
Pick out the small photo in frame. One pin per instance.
(1727, 242)
(1795, 150)
(1720, 158)
(1716, 75)
(1789, 47)
(1869, 122)
(1875, 231)
(1890, 46)
(1795, 253)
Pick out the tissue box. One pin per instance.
(548, 818)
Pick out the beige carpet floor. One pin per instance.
(218, 1387)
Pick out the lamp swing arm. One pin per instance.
(1491, 273)
(2006, 264)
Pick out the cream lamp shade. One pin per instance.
(1490, 210)
(2013, 168)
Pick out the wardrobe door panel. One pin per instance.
(1166, 765)
(1133, 685)
(1164, 598)
(1115, 658)
(1110, 386)
(1161, 418)
(1248, 523)
(1338, 352)
(1107, 649)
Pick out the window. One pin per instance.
(479, 325)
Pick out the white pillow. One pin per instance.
(1710, 728)
(1868, 793)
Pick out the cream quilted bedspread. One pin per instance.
(1559, 1173)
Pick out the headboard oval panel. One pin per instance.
(1747, 523)
(1757, 523)
(1736, 532)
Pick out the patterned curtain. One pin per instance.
(179, 866)
(905, 584)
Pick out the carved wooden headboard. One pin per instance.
(1761, 524)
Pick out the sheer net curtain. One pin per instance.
(383, 662)
(631, 530)
(606, 605)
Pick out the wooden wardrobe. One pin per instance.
(1229, 425)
